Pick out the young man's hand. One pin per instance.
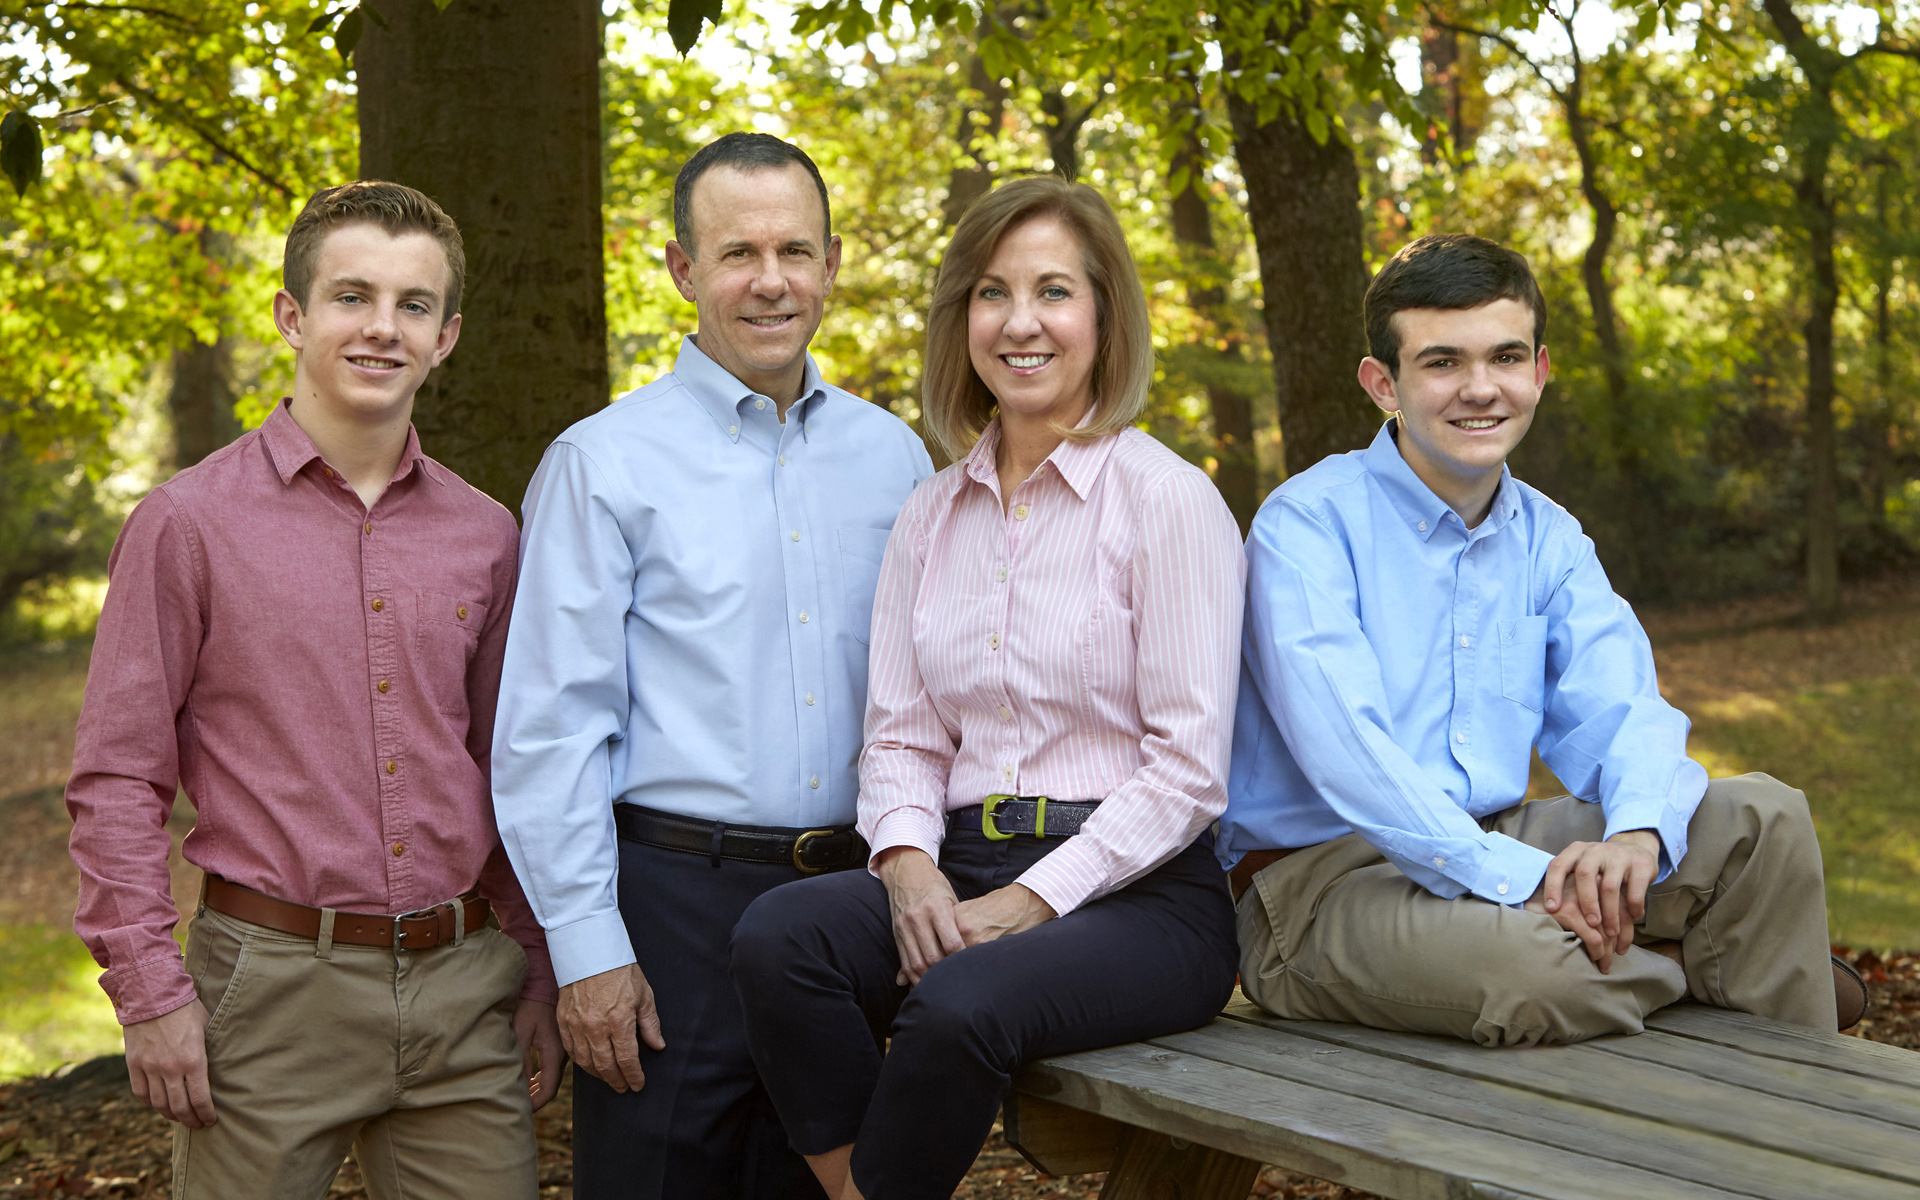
(923, 904)
(538, 1032)
(167, 1065)
(1608, 892)
(599, 1017)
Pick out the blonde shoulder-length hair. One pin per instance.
(955, 402)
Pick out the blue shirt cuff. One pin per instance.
(1511, 871)
(585, 948)
(1660, 817)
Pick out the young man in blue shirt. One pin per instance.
(1419, 622)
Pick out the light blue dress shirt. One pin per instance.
(690, 631)
(1399, 668)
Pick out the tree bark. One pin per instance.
(200, 399)
(1238, 477)
(1063, 131)
(492, 108)
(1303, 201)
(967, 184)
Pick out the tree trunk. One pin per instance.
(1823, 474)
(968, 184)
(1062, 128)
(1238, 477)
(200, 399)
(492, 108)
(1303, 201)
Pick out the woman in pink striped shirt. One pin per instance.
(1055, 650)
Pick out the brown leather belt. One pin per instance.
(422, 930)
(1256, 861)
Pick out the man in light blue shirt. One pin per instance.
(1418, 622)
(685, 681)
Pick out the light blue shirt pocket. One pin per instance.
(861, 552)
(1523, 661)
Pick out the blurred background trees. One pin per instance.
(1719, 202)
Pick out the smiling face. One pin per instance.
(372, 326)
(1033, 325)
(1470, 379)
(759, 273)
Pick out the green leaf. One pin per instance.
(20, 150)
(1649, 21)
(348, 35)
(1317, 126)
(323, 21)
(1177, 186)
(685, 19)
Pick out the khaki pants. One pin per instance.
(1335, 933)
(408, 1058)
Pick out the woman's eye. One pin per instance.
(990, 293)
(1055, 293)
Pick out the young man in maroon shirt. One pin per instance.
(305, 632)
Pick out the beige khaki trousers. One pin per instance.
(1336, 933)
(407, 1057)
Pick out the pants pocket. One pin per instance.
(218, 957)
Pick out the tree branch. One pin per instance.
(141, 9)
(1495, 36)
(1889, 48)
(206, 135)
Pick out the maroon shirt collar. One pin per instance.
(291, 449)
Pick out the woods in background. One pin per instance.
(1718, 202)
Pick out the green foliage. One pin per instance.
(20, 150)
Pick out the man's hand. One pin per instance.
(538, 1033)
(923, 906)
(1014, 908)
(1609, 891)
(167, 1065)
(598, 1018)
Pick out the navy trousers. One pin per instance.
(814, 963)
(702, 1128)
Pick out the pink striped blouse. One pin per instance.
(1083, 644)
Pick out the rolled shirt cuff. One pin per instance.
(588, 947)
(1510, 872)
(143, 991)
(1660, 817)
(1065, 879)
(907, 826)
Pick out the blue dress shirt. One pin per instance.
(1399, 668)
(690, 632)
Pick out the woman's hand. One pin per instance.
(1011, 909)
(923, 906)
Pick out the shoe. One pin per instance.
(1849, 993)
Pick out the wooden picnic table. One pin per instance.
(1705, 1103)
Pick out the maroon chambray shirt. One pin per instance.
(321, 680)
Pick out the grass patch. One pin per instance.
(54, 1011)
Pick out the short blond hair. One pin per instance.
(956, 402)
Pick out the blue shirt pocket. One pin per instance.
(861, 552)
(1523, 661)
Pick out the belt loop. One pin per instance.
(713, 854)
(202, 906)
(459, 920)
(323, 945)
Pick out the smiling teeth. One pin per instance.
(1026, 360)
(1478, 423)
(767, 321)
(373, 362)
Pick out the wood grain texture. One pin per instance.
(1057, 1139)
(1153, 1166)
(1791, 1043)
(1859, 1095)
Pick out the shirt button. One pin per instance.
(1006, 773)
(1465, 641)
(782, 460)
(378, 605)
(809, 697)
(1422, 527)
(1003, 574)
(1006, 714)
(814, 783)
(461, 612)
(795, 535)
(329, 471)
(382, 685)
(1502, 889)
(1438, 861)
(759, 403)
(732, 429)
(399, 848)
(803, 616)
(1019, 512)
(392, 766)
(993, 639)
(369, 526)
(1460, 738)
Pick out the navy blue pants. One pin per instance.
(702, 1128)
(814, 963)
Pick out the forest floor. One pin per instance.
(1829, 709)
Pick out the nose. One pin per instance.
(381, 324)
(1480, 386)
(769, 282)
(1023, 322)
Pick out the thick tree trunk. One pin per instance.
(492, 107)
(1238, 477)
(200, 399)
(1303, 201)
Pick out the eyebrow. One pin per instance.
(990, 277)
(741, 244)
(1457, 352)
(361, 285)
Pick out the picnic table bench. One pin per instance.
(1705, 1103)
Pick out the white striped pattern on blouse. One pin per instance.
(1082, 643)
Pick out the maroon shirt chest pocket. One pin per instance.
(446, 633)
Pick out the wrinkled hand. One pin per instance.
(1609, 891)
(167, 1065)
(1011, 909)
(598, 1018)
(923, 907)
(538, 1032)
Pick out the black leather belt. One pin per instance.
(809, 851)
(1002, 817)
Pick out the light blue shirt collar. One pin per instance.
(722, 395)
(1423, 510)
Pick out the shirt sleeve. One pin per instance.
(1315, 670)
(497, 880)
(1188, 579)
(126, 762)
(909, 749)
(563, 701)
(1606, 732)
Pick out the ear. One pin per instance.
(833, 261)
(1381, 386)
(680, 266)
(1542, 367)
(449, 334)
(288, 318)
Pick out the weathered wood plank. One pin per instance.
(1588, 1076)
(1857, 1094)
(1776, 1039)
(1154, 1166)
(1061, 1140)
(1335, 1136)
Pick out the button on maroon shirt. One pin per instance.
(321, 680)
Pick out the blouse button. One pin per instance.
(1003, 574)
(993, 639)
(1019, 512)
(1006, 714)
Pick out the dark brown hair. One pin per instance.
(1447, 270)
(394, 207)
